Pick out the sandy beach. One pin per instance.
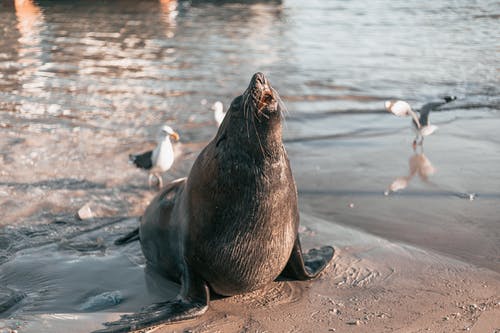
(85, 84)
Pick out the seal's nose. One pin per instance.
(259, 80)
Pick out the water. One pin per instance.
(83, 84)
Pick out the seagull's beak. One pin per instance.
(175, 136)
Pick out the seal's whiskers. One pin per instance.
(247, 110)
(262, 114)
(258, 137)
(283, 109)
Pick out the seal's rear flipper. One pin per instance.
(130, 237)
(160, 313)
(305, 266)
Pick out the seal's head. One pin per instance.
(261, 98)
(254, 118)
(259, 101)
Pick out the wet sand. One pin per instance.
(453, 211)
(373, 285)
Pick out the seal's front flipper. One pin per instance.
(191, 303)
(160, 313)
(156, 314)
(130, 237)
(305, 266)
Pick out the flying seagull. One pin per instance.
(421, 123)
(219, 113)
(160, 159)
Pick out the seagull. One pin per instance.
(421, 124)
(160, 159)
(219, 113)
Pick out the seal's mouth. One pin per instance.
(261, 95)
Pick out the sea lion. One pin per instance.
(232, 225)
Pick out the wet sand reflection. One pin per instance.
(419, 165)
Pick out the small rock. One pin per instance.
(351, 205)
(335, 311)
(85, 212)
(102, 301)
(354, 322)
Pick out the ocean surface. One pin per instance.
(85, 83)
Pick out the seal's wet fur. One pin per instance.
(232, 225)
(242, 198)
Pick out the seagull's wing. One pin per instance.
(427, 108)
(143, 161)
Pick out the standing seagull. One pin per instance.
(219, 113)
(160, 159)
(421, 124)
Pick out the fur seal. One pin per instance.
(232, 225)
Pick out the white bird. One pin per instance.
(422, 124)
(161, 158)
(219, 113)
